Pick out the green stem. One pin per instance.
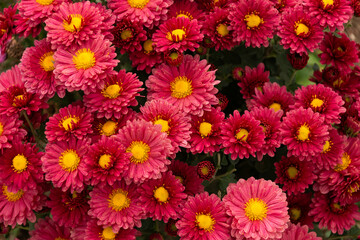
(33, 132)
(223, 175)
(292, 77)
(157, 227)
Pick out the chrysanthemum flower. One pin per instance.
(95, 232)
(146, 58)
(37, 65)
(254, 78)
(116, 206)
(10, 130)
(25, 27)
(178, 33)
(173, 57)
(298, 232)
(257, 209)
(105, 161)
(332, 151)
(203, 217)
(71, 121)
(174, 123)
(299, 31)
(47, 229)
(206, 132)
(304, 133)
(330, 13)
(68, 209)
(21, 166)
(7, 26)
(149, 148)
(63, 164)
(253, 22)
(298, 61)
(242, 135)
(342, 53)
(117, 94)
(205, 170)
(85, 67)
(146, 12)
(331, 215)
(299, 207)
(188, 177)
(187, 10)
(282, 5)
(162, 198)
(189, 87)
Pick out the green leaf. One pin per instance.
(225, 181)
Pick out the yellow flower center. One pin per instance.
(255, 209)
(301, 29)
(60, 238)
(303, 133)
(222, 29)
(204, 170)
(47, 61)
(295, 213)
(108, 128)
(161, 195)
(18, 98)
(176, 35)
(327, 146)
(180, 179)
(19, 163)
(292, 172)
(139, 150)
(181, 87)
(118, 200)
(12, 196)
(253, 20)
(84, 59)
(104, 160)
(242, 134)
(73, 22)
(316, 102)
(164, 124)
(346, 160)
(1, 128)
(327, 3)
(353, 188)
(108, 234)
(112, 91)
(205, 221)
(148, 46)
(205, 129)
(45, 2)
(126, 34)
(275, 106)
(338, 82)
(182, 15)
(174, 55)
(138, 3)
(69, 160)
(68, 121)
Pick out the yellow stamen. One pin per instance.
(112, 91)
(327, 146)
(164, 125)
(176, 35)
(118, 200)
(275, 106)
(47, 61)
(255, 209)
(109, 128)
(346, 160)
(253, 20)
(181, 87)
(292, 172)
(1, 128)
(126, 34)
(45, 2)
(108, 234)
(84, 59)
(204, 170)
(327, 3)
(19, 163)
(303, 133)
(205, 221)
(222, 30)
(104, 160)
(69, 160)
(12, 196)
(301, 29)
(68, 122)
(140, 152)
(148, 46)
(205, 129)
(161, 195)
(316, 102)
(242, 134)
(73, 23)
(138, 3)
(295, 213)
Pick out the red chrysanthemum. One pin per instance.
(298, 61)
(7, 17)
(95, 232)
(173, 57)
(299, 207)
(282, 5)
(254, 78)
(205, 170)
(298, 232)
(47, 229)
(10, 130)
(185, 9)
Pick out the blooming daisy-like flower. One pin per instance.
(173, 57)
(174, 123)
(203, 217)
(146, 12)
(304, 133)
(330, 13)
(37, 65)
(178, 33)
(162, 198)
(85, 67)
(187, 10)
(253, 22)
(298, 61)
(206, 132)
(71, 121)
(63, 164)
(146, 58)
(189, 87)
(149, 148)
(116, 206)
(298, 232)
(299, 31)
(331, 215)
(254, 78)
(105, 161)
(257, 209)
(68, 209)
(10, 130)
(95, 232)
(295, 175)
(320, 99)
(339, 52)
(299, 207)
(242, 135)
(21, 166)
(117, 94)
(47, 229)
(205, 170)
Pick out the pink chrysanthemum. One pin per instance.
(331, 215)
(189, 87)
(242, 135)
(294, 175)
(25, 27)
(77, 23)
(254, 78)
(85, 67)
(270, 122)
(116, 206)
(332, 151)
(71, 121)
(95, 232)
(304, 133)
(299, 207)
(342, 53)
(105, 161)
(298, 31)
(68, 209)
(206, 132)
(178, 33)
(162, 198)
(174, 123)
(298, 232)
(332, 14)
(114, 98)
(257, 209)
(188, 177)
(63, 164)
(149, 148)
(185, 9)
(47, 229)
(253, 22)
(203, 217)
(10, 130)
(146, 12)
(205, 170)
